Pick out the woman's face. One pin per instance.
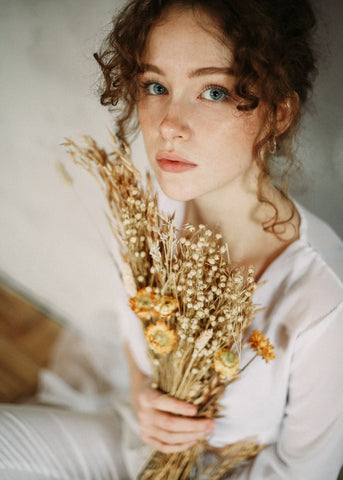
(196, 140)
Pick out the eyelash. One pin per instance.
(145, 86)
(226, 92)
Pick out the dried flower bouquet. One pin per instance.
(194, 305)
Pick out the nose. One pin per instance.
(175, 122)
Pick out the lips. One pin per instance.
(172, 163)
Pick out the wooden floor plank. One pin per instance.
(27, 337)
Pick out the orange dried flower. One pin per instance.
(261, 345)
(161, 339)
(226, 363)
(165, 306)
(143, 303)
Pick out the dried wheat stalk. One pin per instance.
(194, 305)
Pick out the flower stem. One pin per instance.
(250, 361)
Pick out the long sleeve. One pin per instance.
(293, 404)
(310, 444)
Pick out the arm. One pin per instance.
(167, 424)
(310, 441)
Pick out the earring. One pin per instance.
(272, 145)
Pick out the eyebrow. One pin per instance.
(210, 71)
(198, 72)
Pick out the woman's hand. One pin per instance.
(168, 424)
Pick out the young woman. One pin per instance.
(218, 88)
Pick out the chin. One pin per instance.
(178, 194)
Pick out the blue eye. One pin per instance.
(215, 94)
(154, 88)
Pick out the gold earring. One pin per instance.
(272, 145)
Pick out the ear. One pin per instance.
(286, 111)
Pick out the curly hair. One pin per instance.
(273, 61)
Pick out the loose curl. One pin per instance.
(273, 62)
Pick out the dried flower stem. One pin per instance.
(194, 305)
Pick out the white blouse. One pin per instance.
(294, 404)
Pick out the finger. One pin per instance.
(174, 423)
(166, 448)
(171, 438)
(165, 403)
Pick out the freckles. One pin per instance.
(254, 122)
(146, 114)
(144, 121)
(141, 106)
(140, 112)
(250, 127)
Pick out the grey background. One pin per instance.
(53, 240)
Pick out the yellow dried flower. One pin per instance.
(209, 292)
(165, 306)
(261, 345)
(162, 340)
(226, 363)
(143, 303)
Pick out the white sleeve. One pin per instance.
(132, 334)
(310, 446)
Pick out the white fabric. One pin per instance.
(294, 404)
(88, 431)
(40, 442)
(43, 443)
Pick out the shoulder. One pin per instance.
(318, 261)
(323, 240)
(304, 285)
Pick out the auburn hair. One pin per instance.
(273, 62)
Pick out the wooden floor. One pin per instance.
(27, 336)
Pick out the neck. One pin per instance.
(240, 217)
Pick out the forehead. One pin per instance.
(182, 34)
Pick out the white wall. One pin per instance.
(49, 246)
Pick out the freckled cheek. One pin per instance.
(252, 124)
(149, 132)
(148, 119)
(246, 131)
(142, 115)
